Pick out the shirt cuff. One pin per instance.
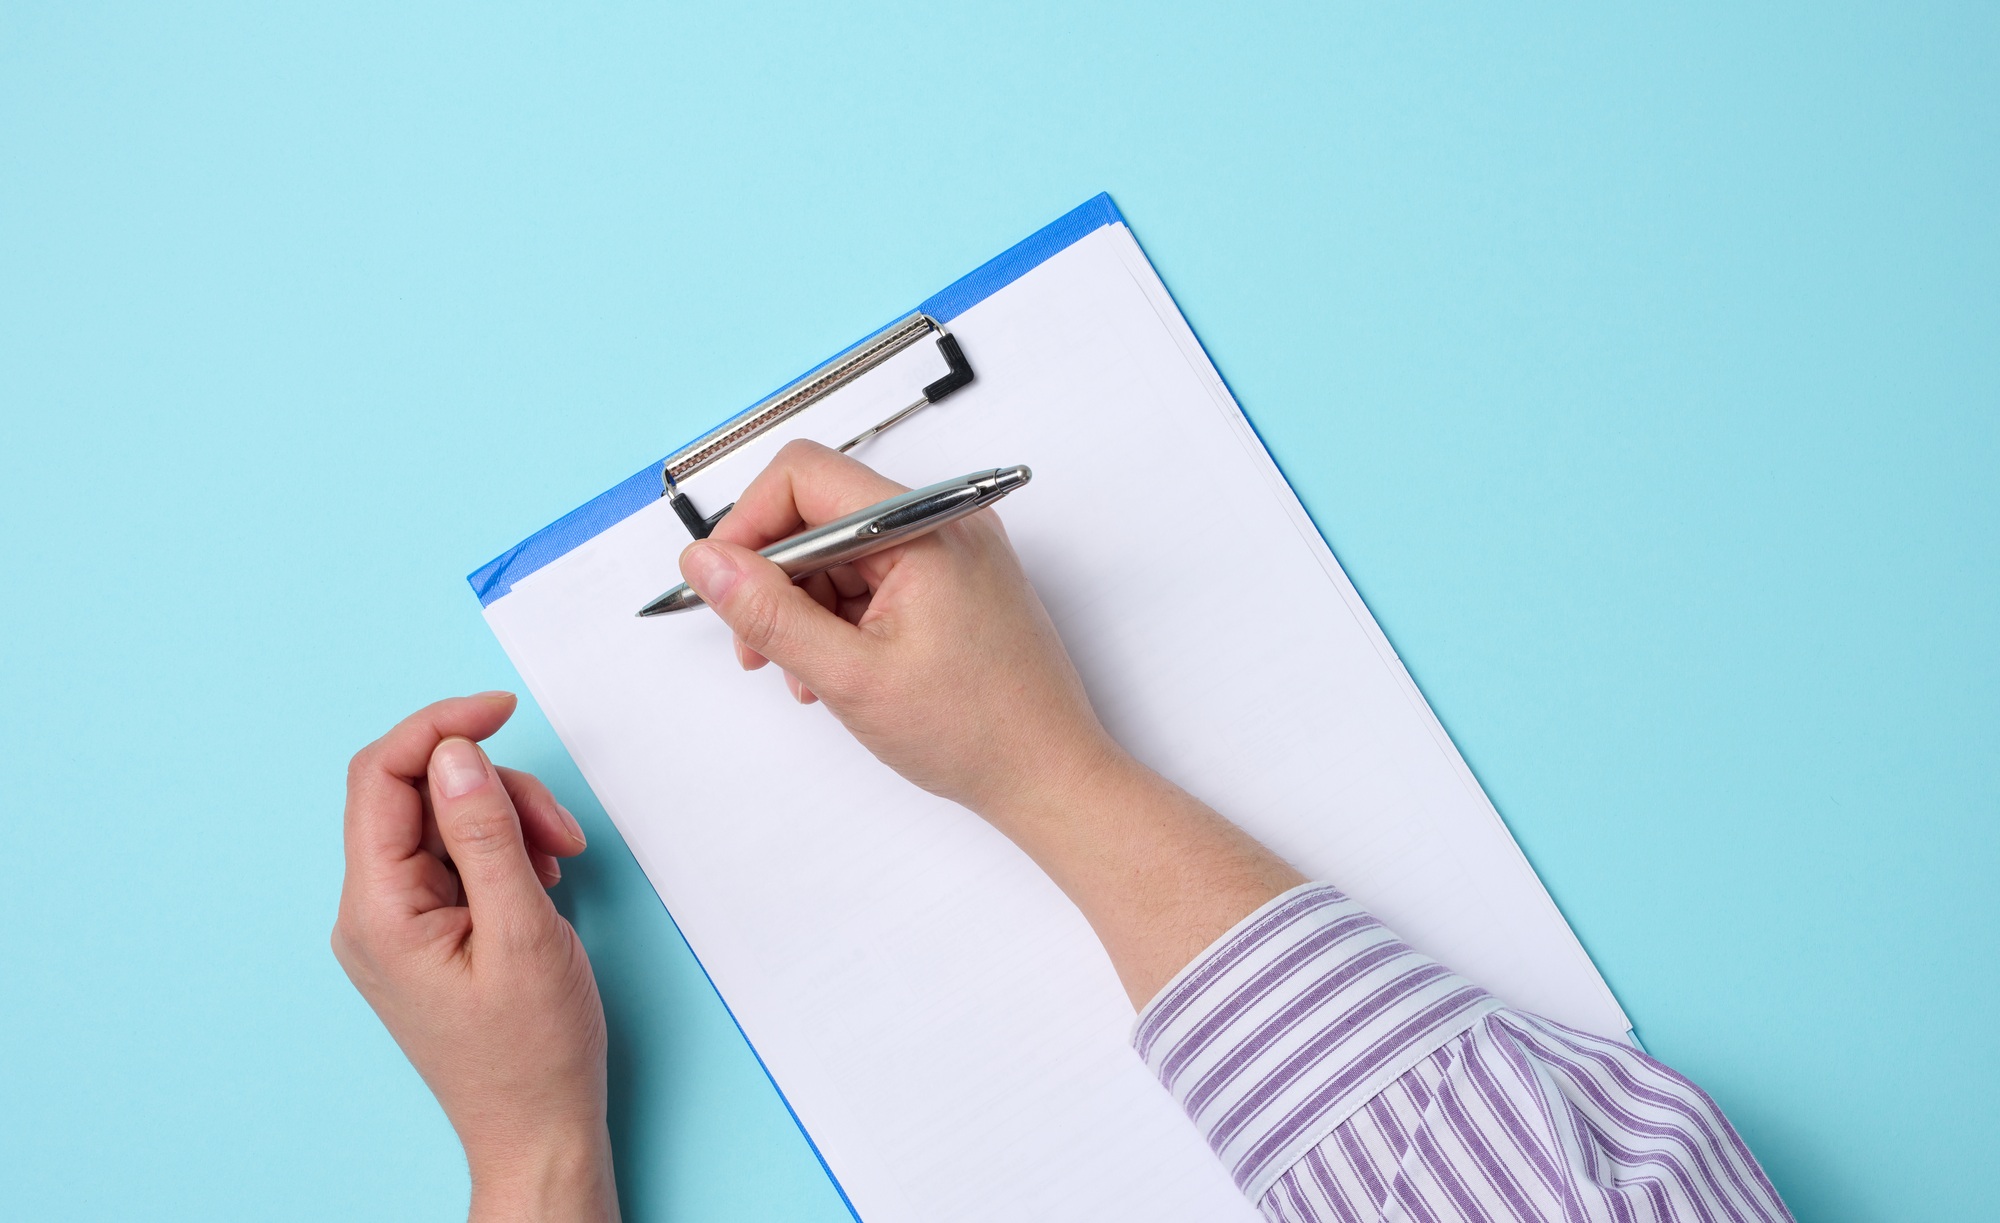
(1291, 1022)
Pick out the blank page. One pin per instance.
(940, 1018)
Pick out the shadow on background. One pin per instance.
(686, 1092)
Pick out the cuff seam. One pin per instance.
(1166, 992)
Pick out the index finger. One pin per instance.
(806, 484)
(385, 808)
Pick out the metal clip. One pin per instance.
(802, 394)
(960, 375)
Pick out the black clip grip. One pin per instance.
(961, 369)
(691, 518)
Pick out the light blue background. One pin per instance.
(1640, 367)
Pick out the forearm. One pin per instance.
(1157, 873)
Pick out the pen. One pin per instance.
(897, 520)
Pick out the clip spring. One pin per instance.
(803, 394)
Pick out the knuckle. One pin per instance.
(349, 940)
(360, 765)
(484, 827)
(760, 617)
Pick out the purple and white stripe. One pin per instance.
(1340, 1075)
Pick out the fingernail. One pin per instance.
(711, 572)
(492, 692)
(575, 829)
(457, 768)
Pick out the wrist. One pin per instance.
(561, 1177)
(1157, 873)
(1062, 788)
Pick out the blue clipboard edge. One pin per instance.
(770, 1078)
(496, 577)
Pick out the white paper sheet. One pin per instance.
(939, 1017)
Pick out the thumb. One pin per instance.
(482, 833)
(773, 617)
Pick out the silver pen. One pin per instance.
(897, 520)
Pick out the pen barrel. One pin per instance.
(884, 525)
(872, 530)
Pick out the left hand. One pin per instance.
(446, 929)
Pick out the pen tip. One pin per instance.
(680, 598)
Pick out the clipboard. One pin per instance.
(937, 1017)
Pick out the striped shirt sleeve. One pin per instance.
(1341, 1075)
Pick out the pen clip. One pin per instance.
(920, 512)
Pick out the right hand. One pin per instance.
(936, 654)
